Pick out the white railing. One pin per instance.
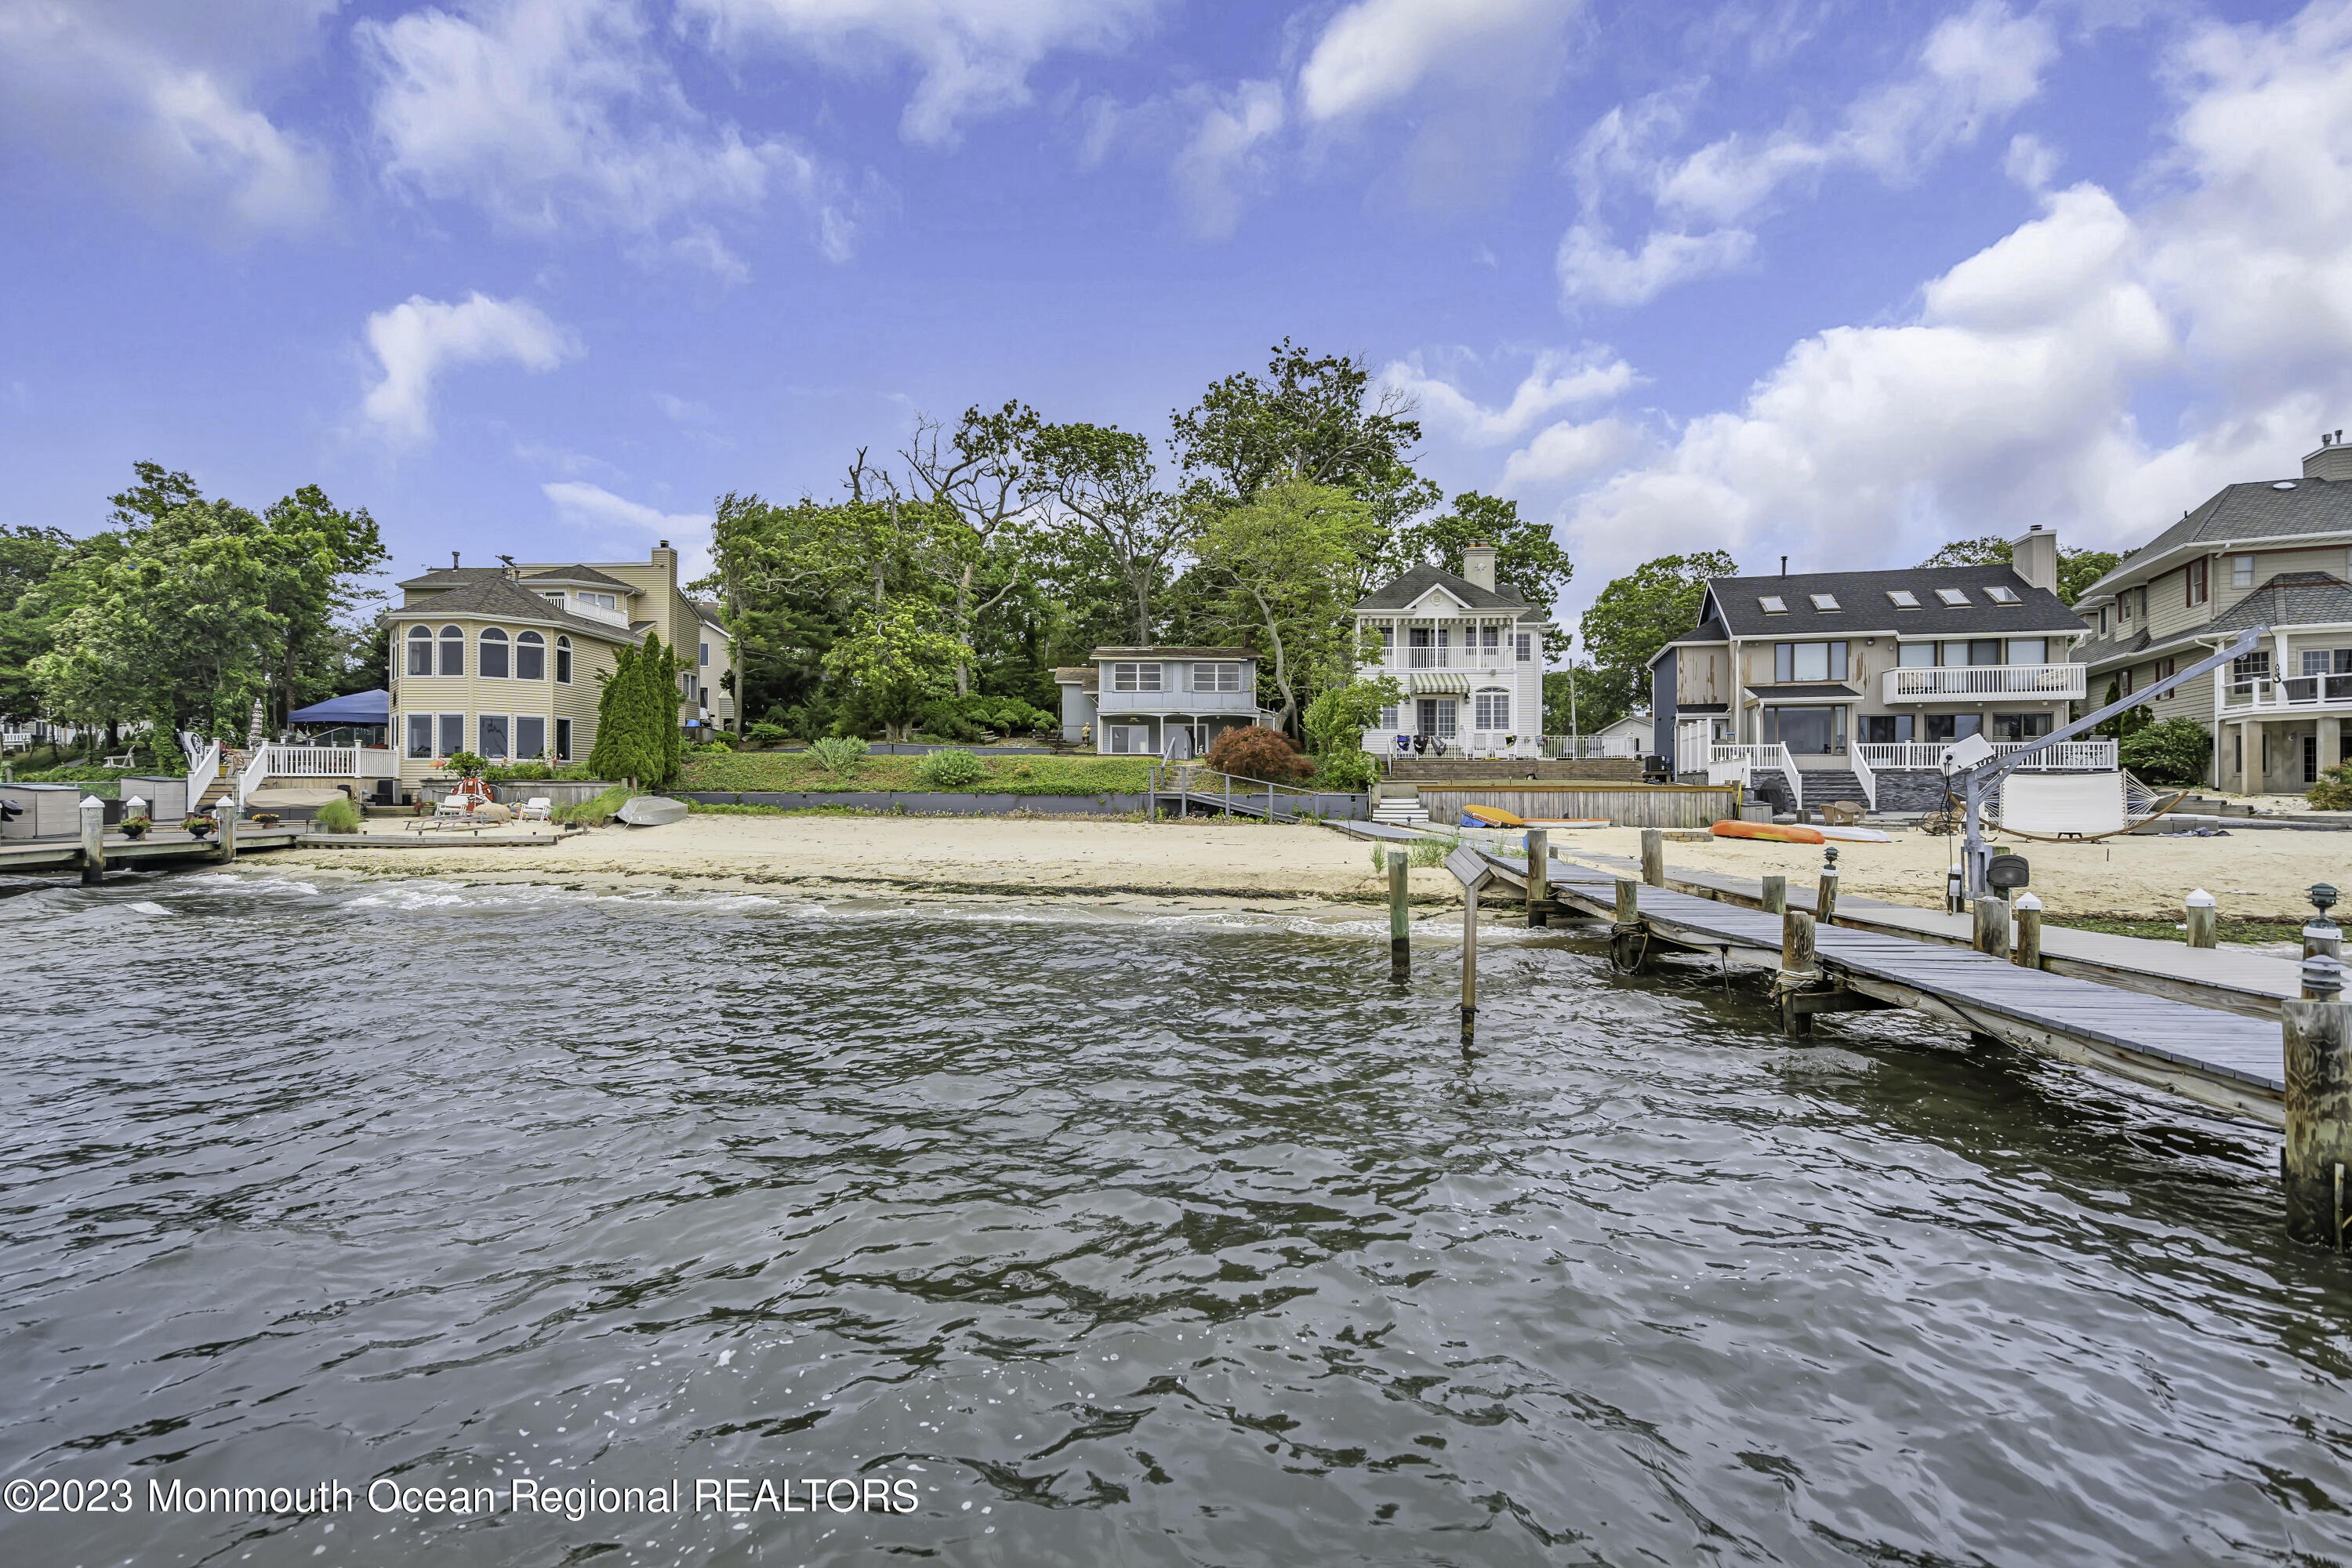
(1405, 660)
(2294, 691)
(329, 762)
(1728, 761)
(1577, 747)
(588, 611)
(256, 774)
(202, 771)
(1692, 743)
(1461, 743)
(1863, 776)
(2067, 756)
(1930, 683)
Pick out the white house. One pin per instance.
(1139, 701)
(1469, 655)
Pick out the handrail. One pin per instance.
(256, 774)
(1867, 779)
(1796, 780)
(202, 771)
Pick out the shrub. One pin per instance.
(950, 770)
(339, 816)
(763, 733)
(1254, 751)
(2172, 752)
(468, 764)
(2334, 790)
(839, 755)
(1349, 771)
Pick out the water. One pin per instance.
(1119, 1239)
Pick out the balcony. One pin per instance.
(2296, 694)
(1953, 683)
(1171, 701)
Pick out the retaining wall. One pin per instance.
(941, 803)
(1627, 806)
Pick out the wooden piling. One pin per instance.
(1825, 895)
(2318, 1119)
(1469, 964)
(2201, 918)
(93, 841)
(2027, 954)
(1629, 904)
(224, 813)
(1539, 876)
(1399, 915)
(1653, 857)
(1775, 895)
(1992, 925)
(1797, 945)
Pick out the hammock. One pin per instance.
(2140, 804)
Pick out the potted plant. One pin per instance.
(197, 825)
(135, 827)
(265, 819)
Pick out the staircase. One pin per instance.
(224, 782)
(1823, 785)
(1399, 806)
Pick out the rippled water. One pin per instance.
(1124, 1238)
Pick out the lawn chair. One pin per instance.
(538, 808)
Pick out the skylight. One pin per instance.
(2000, 595)
(1825, 600)
(1773, 603)
(1903, 598)
(1952, 596)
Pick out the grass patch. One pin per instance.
(2225, 929)
(699, 808)
(798, 771)
(594, 812)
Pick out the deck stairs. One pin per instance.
(1823, 785)
(224, 784)
(1399, 806)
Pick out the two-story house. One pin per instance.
(504, 661)
(2273, 552)
(1467, 654)
(1158, 701)
(1857, 681)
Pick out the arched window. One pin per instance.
(420, 650)
(1493, 711)
(563, 660)
(494, 653)
(453, 651)
(530, 656)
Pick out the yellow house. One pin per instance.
(504, 661)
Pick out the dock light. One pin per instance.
(2322, 899)
(1954, 903)
(2322, 978)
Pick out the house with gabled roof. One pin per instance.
(1468, 654)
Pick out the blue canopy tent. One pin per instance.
(355, 711)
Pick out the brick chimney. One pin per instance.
(2332, 460)
(1479, 564)
(2034, 557)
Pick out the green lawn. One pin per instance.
(1006, 775)
(2224, 929)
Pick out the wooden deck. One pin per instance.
(2222, 1060)
(38, 855)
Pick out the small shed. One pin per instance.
(166, 797)
(47, 810)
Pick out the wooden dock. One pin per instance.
(153, 852)
(2222, 1060)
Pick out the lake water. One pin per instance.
(1104, 1239)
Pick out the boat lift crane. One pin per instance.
(1974, 757)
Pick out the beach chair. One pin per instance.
(538, 808)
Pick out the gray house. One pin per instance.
(1139, 701)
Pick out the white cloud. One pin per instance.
(1376, 52)
(1568, 451)
(1226, 153)
(1594, 268)
(418, 339)
(159, 103)
(556, 114)
(974, 56)
(603, 514)
(1556, 381)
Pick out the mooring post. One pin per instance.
(93, 841)
(2201, 933)
(1653, 857)
(1992, 925)
(1797, 971)
(2028, 951)
(1629, 904)
(1539, 876)
(1775, 895)
(1399, 916)
(224, 815)
(2318, 1037)
(1469, 964)
(1825, 895)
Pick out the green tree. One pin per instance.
(1112, 520)
(1630, 621)
(2077, 569)
(1282, 568)
(893, 659)
(637, 737)
(978, 505)
(29, 557)
(1527, 560)
(1321, 419)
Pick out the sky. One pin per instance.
(545, 277)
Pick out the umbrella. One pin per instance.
(253, 732)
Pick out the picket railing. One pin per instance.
(203, 769)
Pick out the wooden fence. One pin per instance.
(1627, 806)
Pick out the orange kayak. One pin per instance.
(1777, 833)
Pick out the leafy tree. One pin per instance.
(2077, 569)
(978, 490)
(1282, 568)
(1319, 419)
(1567, 696)
(893, 659)
(1336, 721)
(1630, 621)
(1114, 520)
(29, 556)
(1527, 560)
(2172, 752)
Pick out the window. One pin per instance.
(1809, 732)
(452, 653)
(563, 661)
(1809, 661)
(1436, 716)
(1825, 600)
(494, 653)
(2103, 620)
(2019, 726)
(453, 734)
(601, 601)
(1903, 598)
(491, 731)
(2242, 570)
(1135, 678)
(2166, 669)
(1490, 640)
(420, 735)
(2001, 596)
(1886, 729)
(2197, 588)
(1389, 718)
(1953, 598)
(701, 696)
(2316, 661)
(1491, 711)
(1943, 728)
(1773, 603)
(2254, 666)
(2029, 650)
(530, 656)
(2129, 681)
(1216, 677)
(1916, 656)
(1975, 650)
(420, 650)
(563, 740)
(530, 735)
(706, 653)
(1527, 646)
(1426, 648)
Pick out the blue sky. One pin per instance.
(1835, 280)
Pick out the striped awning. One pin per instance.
(1430, 683)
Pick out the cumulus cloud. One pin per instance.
(556, 114)
(160, 104)
(975, 56)
(1225, 154)
(1376, 52)
(1594, 268)
(1556, 381)
(417, 339)
(604, 515)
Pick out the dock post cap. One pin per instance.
(2200, 899)
(2322, 977)
(89, 800)
(2027, 901)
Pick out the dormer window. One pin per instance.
(1824, 601)
(1954, 598)
(1903, 598)
(1773, 603)
(2000, 595)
